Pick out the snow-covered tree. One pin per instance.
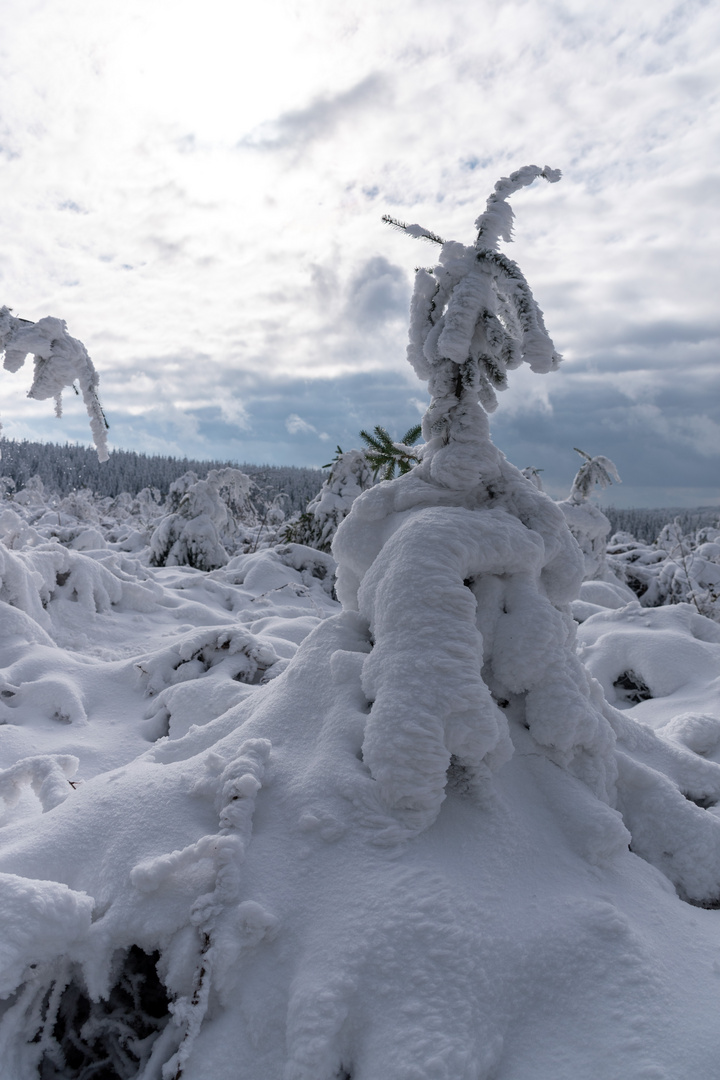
(60, 361)
(587, 522)
(500, 654)
(204, 516)
(351, 473)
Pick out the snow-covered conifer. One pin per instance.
(204, 516)
(498, 568)
(351, 473)
(587, 522)
(60, 361)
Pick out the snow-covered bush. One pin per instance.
(204, 516)
(221, 657)
(351, 473)
(60, 361)
(678, 568)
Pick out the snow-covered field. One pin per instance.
(182, 762)
(443, 805)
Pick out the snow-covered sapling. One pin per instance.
(205, 516)
(464, 571)
(350, 474)
(587, 522)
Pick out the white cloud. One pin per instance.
(297, 426)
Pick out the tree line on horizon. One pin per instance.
(68, 467)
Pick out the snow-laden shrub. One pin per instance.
(678, 568)
(32, 496)
(46, 774)
(39, 580)
(350, 474)
(80, 505)
(204, 515)
(220, 658)
(691, 572)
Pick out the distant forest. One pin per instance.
(646, 524)
(67, 468)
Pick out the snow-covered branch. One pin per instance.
(60, 361)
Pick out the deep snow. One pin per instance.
(498, 942)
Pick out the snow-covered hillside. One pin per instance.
(387, 814)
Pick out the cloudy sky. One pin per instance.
(197, 188)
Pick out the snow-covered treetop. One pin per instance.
(472, 319)
(497, 220)
(594, 470)
(60, 361)
(475, 308)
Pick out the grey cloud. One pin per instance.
(378, 291)
(665, 332)
(659, 447)
(298, 127)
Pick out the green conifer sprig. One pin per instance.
(418, 232)
(385, 455)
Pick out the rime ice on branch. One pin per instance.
(60, 361)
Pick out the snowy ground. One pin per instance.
(502, 942)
